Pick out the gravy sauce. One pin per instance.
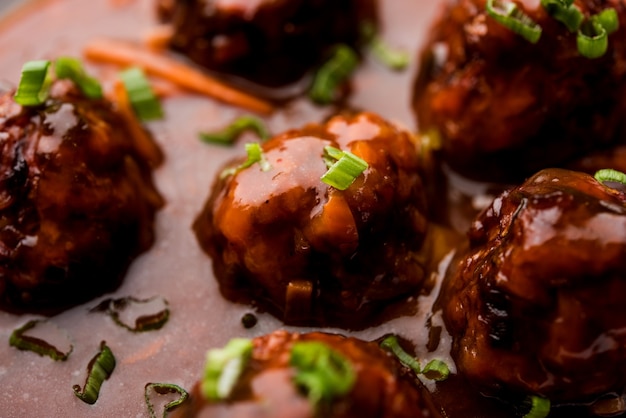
(175, 267)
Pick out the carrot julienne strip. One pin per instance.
(141, 139)
(126, 54)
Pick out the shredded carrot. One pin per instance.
(126, 54)
(159, 37)
(144, 145)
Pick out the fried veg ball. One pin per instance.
(307, 251)
(77, 202)
(506, 108)
(270, 42)
(267, 388)
(538, 305)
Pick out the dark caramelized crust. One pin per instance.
(538, 306)
(383, 388)
(506, 107)
(271, 42)
(311, 252)
(77, 202)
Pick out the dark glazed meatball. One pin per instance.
(316, 253)
(77, 202)
(538, 306)
(271, 42)
(383, 388)
(506, 107)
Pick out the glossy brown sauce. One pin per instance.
(315, 254)
(175, 267)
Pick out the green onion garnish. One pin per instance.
(608, 19)
(99, 369)
(436, 370)
(32, 90)
(321, 372)
(342, 172)
(230, 134)
(164, 389)
(391, 343)
(608, 174)
(224, 367)
(332, 74)
(392, 58)
(331, 155)
(565, 12)
(255, 155)
(592, 39)
(136, 315)
(72, 68)
(539, 407)
(509, 15)
(37, 345)
(35, 80)
(140, 94)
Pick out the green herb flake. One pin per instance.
(99, 369)
(323, 373)
(164, 389)
(224, 367)
(21, 341)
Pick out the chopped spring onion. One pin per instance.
(565, 11)
(72, 68)
(230, 134)
(224, 367)
(136, 315)
(347, 167)
(332, 74)
(32, 90)
(608, 174)
(331, 155)
(37, 345)
(255, 155)
(509, 15)
(393, 58)
(35, 80)
(436, 370)
(391, 343)
(322, 372)
(539, 407)
(140, 94)
(593, 35)
(164, 389)
(99, 369)
(608, 19)
(592, 39)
